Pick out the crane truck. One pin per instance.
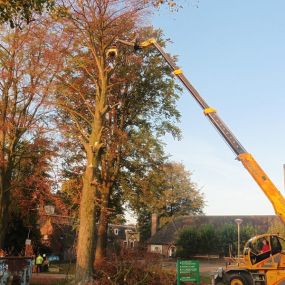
(256, 267)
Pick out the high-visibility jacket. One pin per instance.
(39, 260)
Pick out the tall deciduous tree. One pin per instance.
(144, 113)
(110, 105)
(25, 58)
(85, 100)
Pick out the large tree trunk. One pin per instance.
(85, 244)
(4, 206)
(86, 237)
(5, 185)
(101, 245)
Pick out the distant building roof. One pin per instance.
(169, 233)
(120, 230)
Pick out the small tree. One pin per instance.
(208, 239)
(227, 236)
(144, 224)
(228, 239)
(32, 186)
(188, 242)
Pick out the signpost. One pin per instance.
(188, 271)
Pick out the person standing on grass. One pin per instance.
(39, 262)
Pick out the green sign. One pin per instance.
(188, 271)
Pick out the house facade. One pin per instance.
(125, 235)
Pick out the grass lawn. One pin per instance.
(61, 268)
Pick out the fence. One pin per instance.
(17, 268)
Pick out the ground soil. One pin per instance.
(48, 278)
(207, 269)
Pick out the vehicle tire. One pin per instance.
(237, 279)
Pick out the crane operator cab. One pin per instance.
(263, 263)
(265, 251)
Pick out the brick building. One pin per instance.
(59, 236)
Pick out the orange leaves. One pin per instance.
(170, 3)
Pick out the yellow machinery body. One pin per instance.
(257, 267)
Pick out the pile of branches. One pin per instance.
(128, 270)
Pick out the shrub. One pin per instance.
(206, 239)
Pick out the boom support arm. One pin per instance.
(264, 182)
(208, 111)
(267, 186)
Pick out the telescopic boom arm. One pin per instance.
(267, 186)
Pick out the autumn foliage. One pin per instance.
(66, 104)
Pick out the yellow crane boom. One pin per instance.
(254, 169)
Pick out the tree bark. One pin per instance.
(101, 244)
(4, 202)
(86, 236)
(4, 208)
(85, 245)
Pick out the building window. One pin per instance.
(116, 231)
(156, 248)
(49, 209)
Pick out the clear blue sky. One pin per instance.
(234, 54)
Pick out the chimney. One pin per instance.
(154, 223)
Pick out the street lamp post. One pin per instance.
(238, 222)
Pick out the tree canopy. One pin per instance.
(166, 190)
(16, 11)
(114, 109)
(27, 70)
(58, 82)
